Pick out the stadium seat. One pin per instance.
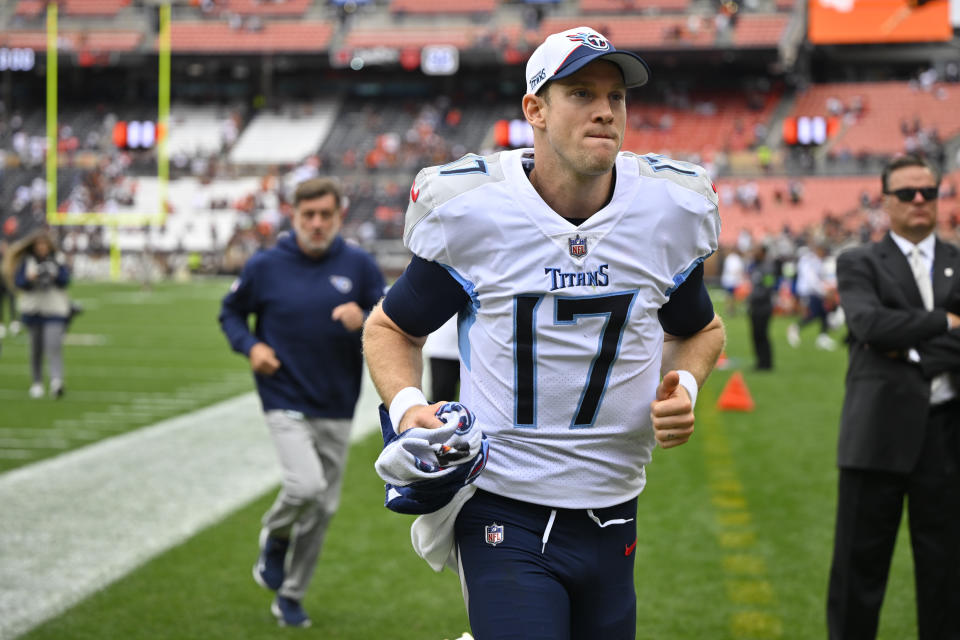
(93, 7)
(472, 7)
(199, 36)
(91, 40)
(885, 105)
(285, 138)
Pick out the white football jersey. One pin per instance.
(561, 347)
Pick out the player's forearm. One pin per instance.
(697, 353)
(394, 358)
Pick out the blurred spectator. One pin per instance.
(763, 287)
(814, 286)
(39, 272)
(7, 299)
(732, 276)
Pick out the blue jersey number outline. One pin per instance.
(478, 165)
(661, 163)
(567, 310)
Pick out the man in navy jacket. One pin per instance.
(310, 295)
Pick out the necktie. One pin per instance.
(941, 387)
(922, 275)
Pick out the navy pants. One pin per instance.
(576, 585)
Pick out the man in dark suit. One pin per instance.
(900, 427)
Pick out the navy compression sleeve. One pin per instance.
(424, 297)
(689, 308)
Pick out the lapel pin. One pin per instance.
(948, 272)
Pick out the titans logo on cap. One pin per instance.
(592, 40)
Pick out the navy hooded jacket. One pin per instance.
(292, 297)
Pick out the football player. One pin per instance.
(585, 333)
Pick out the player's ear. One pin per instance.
(533, 110)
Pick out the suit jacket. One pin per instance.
(888, 397)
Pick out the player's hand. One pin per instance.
(349, 314)
(672, 412)
(420, 415)
(263, 359)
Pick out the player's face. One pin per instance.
(916, 218)
(585, 117)
(317, 222)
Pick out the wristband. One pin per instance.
(690, 384)
(405, 398)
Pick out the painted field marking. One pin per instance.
(80, 369)
(165, 482)
(745, 583)
(84, 340)
(16, 454)
(42, 442)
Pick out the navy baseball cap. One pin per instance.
(565, 53)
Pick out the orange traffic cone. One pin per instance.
(735, 395)
(723, 362)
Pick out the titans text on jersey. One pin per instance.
(560, 279)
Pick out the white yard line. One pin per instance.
(16, 454)
(75, 523)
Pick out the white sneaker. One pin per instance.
(15, 328)
(36, 390)
(825, 342)
(56, 388)
(793, 335)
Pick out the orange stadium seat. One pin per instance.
(461, 36)
(885, 106)
(443, 6)
(275, 36)
(639, 32)
(822, 195)
(30, 8)
(261, 8)
(93, 7)
(633, 6)
(729, 128)
(102, 40)
(759, 30)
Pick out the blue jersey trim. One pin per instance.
(681, 277)
(468, 315)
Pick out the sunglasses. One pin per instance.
(907, 194)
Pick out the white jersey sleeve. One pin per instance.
(561, 348)
(425, 234)
(693, 199)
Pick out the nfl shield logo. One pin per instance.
(578, 246)
(494, 534)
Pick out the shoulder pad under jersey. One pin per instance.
(685, 174)
(437, 185)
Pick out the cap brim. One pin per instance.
(635, 71)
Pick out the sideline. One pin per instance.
(73, 524)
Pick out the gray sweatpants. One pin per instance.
(46, 342)
(313, 455)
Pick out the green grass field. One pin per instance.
(735, 528)
(133, 357)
